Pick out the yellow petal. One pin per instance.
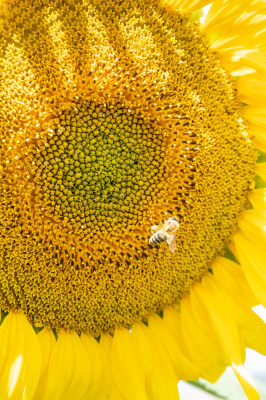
(199, 339)
(47, 342)
(184, 5)
(252, 91)
(227, 333)
(223, 14)
(184, 368)
(260, 135)
(234, 58)
(106, 343)
(253, 224)
(256, 115)
(253, 59)
(100, 386)
(20, 358)
(115, 395)
(245, 381)
(69, 369)
(252, 259)
(260, 169)
(233, 249)
(233, 40)
(161, 380)
(225, 329)
(231, 282)
(231, 21)
(127, 370)
(257, 198)
(252, 329)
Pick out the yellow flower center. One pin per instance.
(98, 172)
(116, 116)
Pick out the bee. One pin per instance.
(165, 232)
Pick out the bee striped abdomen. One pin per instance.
(158, 237)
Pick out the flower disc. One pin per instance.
(116, 116)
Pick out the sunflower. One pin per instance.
(118, 116)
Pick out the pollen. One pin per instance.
(115, 116)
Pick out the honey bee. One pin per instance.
(165, 232)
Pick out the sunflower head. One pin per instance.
(113, 124)
(127, 164)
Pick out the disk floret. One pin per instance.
(98, 168)
(116, 116)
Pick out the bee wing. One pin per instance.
(171, 241)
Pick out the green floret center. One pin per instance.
(99, 167)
